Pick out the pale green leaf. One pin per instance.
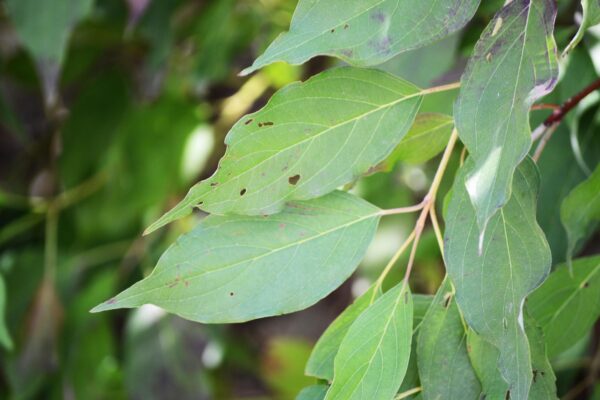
(580, 211)
(310, 138)
(591, 17)
(364, 32)
(373, 357)
(320, 363)
(568, 306)
(514, 64)
(5, 339)
(427, 138)
(491, 286)
(444, 366)
(238, 268)
(314, 392)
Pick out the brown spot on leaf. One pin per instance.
(346, 26)
(294, 179)
(214, 184)
(507, 396)
(333, 30)
(248, 122)
(231, 293)
(243, 192)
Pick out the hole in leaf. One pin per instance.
(294, 179)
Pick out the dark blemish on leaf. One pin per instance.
(382, 45)
(586, 284)
(294, 179)
(248, 122)
(200, 203)
(231, 293)
(504, 323)
(378, 16)
(111, 301)
(243, 192)
(447, 300)
(268, 123)
(346, 26)
(507, 397)
(214, 184)
(542, 373)
(535, 372)
(469, 349)
(332, 31)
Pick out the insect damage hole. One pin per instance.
(294, 179)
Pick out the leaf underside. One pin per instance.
(364, 32)
(514, 64)
(239, 268)
(310, 139)
(491, 287)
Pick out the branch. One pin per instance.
(547, 128)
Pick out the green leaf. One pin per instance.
(374, 354)
(314, 392)
(514, 64)
(567, 306)
(5, 339)
(484, 359)
(310, 138)
(543, 386)
(364, 32)
(427, 138)
(491, 286)
(444, 366)
(321, 361)
(238, 268)
(580, 211)
(591, 17)
(44, 28)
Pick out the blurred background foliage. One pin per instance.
(109, 111)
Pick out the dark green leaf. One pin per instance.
(237, 268)
(44, 28)
(491, 286)
(374, 354)
(310, 138)
(580, 211)
(567, 306)
(364, 32)
(444, 366)
(514, 64)
(5, 339)
(484, 358)
(543, 386)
